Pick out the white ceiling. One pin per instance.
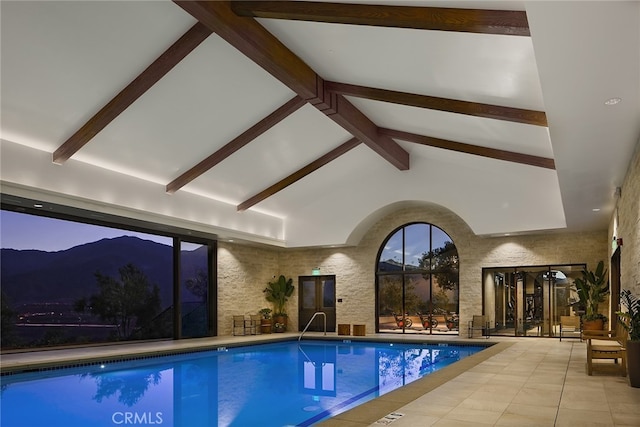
(63, 61)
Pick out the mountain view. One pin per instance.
(41, 288)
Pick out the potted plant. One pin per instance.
(592, 288)
(278, 293)
(632, 315)
(265, 322)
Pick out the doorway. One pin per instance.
(317, 294)
(528, 301)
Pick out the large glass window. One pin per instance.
(67, 282)
(194, 296)
(417, 281)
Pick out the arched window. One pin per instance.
(417, 281)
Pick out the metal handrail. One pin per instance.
(309, 323)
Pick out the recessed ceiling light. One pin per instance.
(612, 101)
(596, 209)
(37, 205)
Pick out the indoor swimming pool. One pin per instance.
(276, 384)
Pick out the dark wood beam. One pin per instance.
(299, 174)
(460, 147)
(497, 112)
(237, 143)
(150, 76)
(504, 22)
(259, 45)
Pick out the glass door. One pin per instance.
(528, 301)
(317, 294)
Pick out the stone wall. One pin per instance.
(625, 223)
(243, 272)
(354, 267)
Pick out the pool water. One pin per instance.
(276, 384)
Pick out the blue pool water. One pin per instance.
(277, 384)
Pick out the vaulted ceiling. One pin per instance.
(301, 123)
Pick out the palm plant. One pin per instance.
(278, 294)
(632, 304)
(592, 287)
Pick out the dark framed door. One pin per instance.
(317, 294)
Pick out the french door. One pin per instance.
(317, 294)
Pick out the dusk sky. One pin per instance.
(23, 231)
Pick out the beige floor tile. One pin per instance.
(532, 412)
(582, 399)
(445, 422)
(473, 415)
(520, 421)
(510, 379)
(626, 408)
(473, 377)
(624, 419)
(583, 418)
(545, 380)
(501, 392)
(432, 409)
(623, 394)
(486, 403)
(539, 397)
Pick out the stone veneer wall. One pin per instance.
(243, 272)
(626, 224)
(354, 267)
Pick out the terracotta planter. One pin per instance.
(265, 326)
(280, 320)
(633, 363)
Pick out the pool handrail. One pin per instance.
(324, 315)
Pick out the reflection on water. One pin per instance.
(266, 385)
(130, 386)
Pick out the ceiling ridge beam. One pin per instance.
(127, 96)
(509, 156)
(237, 143)
(502, 22)
(488, 111)
(299, 174)
(263, 48)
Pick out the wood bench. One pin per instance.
(607, 345)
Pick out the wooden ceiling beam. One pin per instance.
(299, 174)
(259, 45)
(497, 112)
(150, 76)
(477, 150)
(237, 143)
(503, 22)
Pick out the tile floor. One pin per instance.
(517, 382)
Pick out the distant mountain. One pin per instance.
(29, 276)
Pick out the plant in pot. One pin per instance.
(632, 316)
(278, 293)
(265, 321)
(592, 288)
